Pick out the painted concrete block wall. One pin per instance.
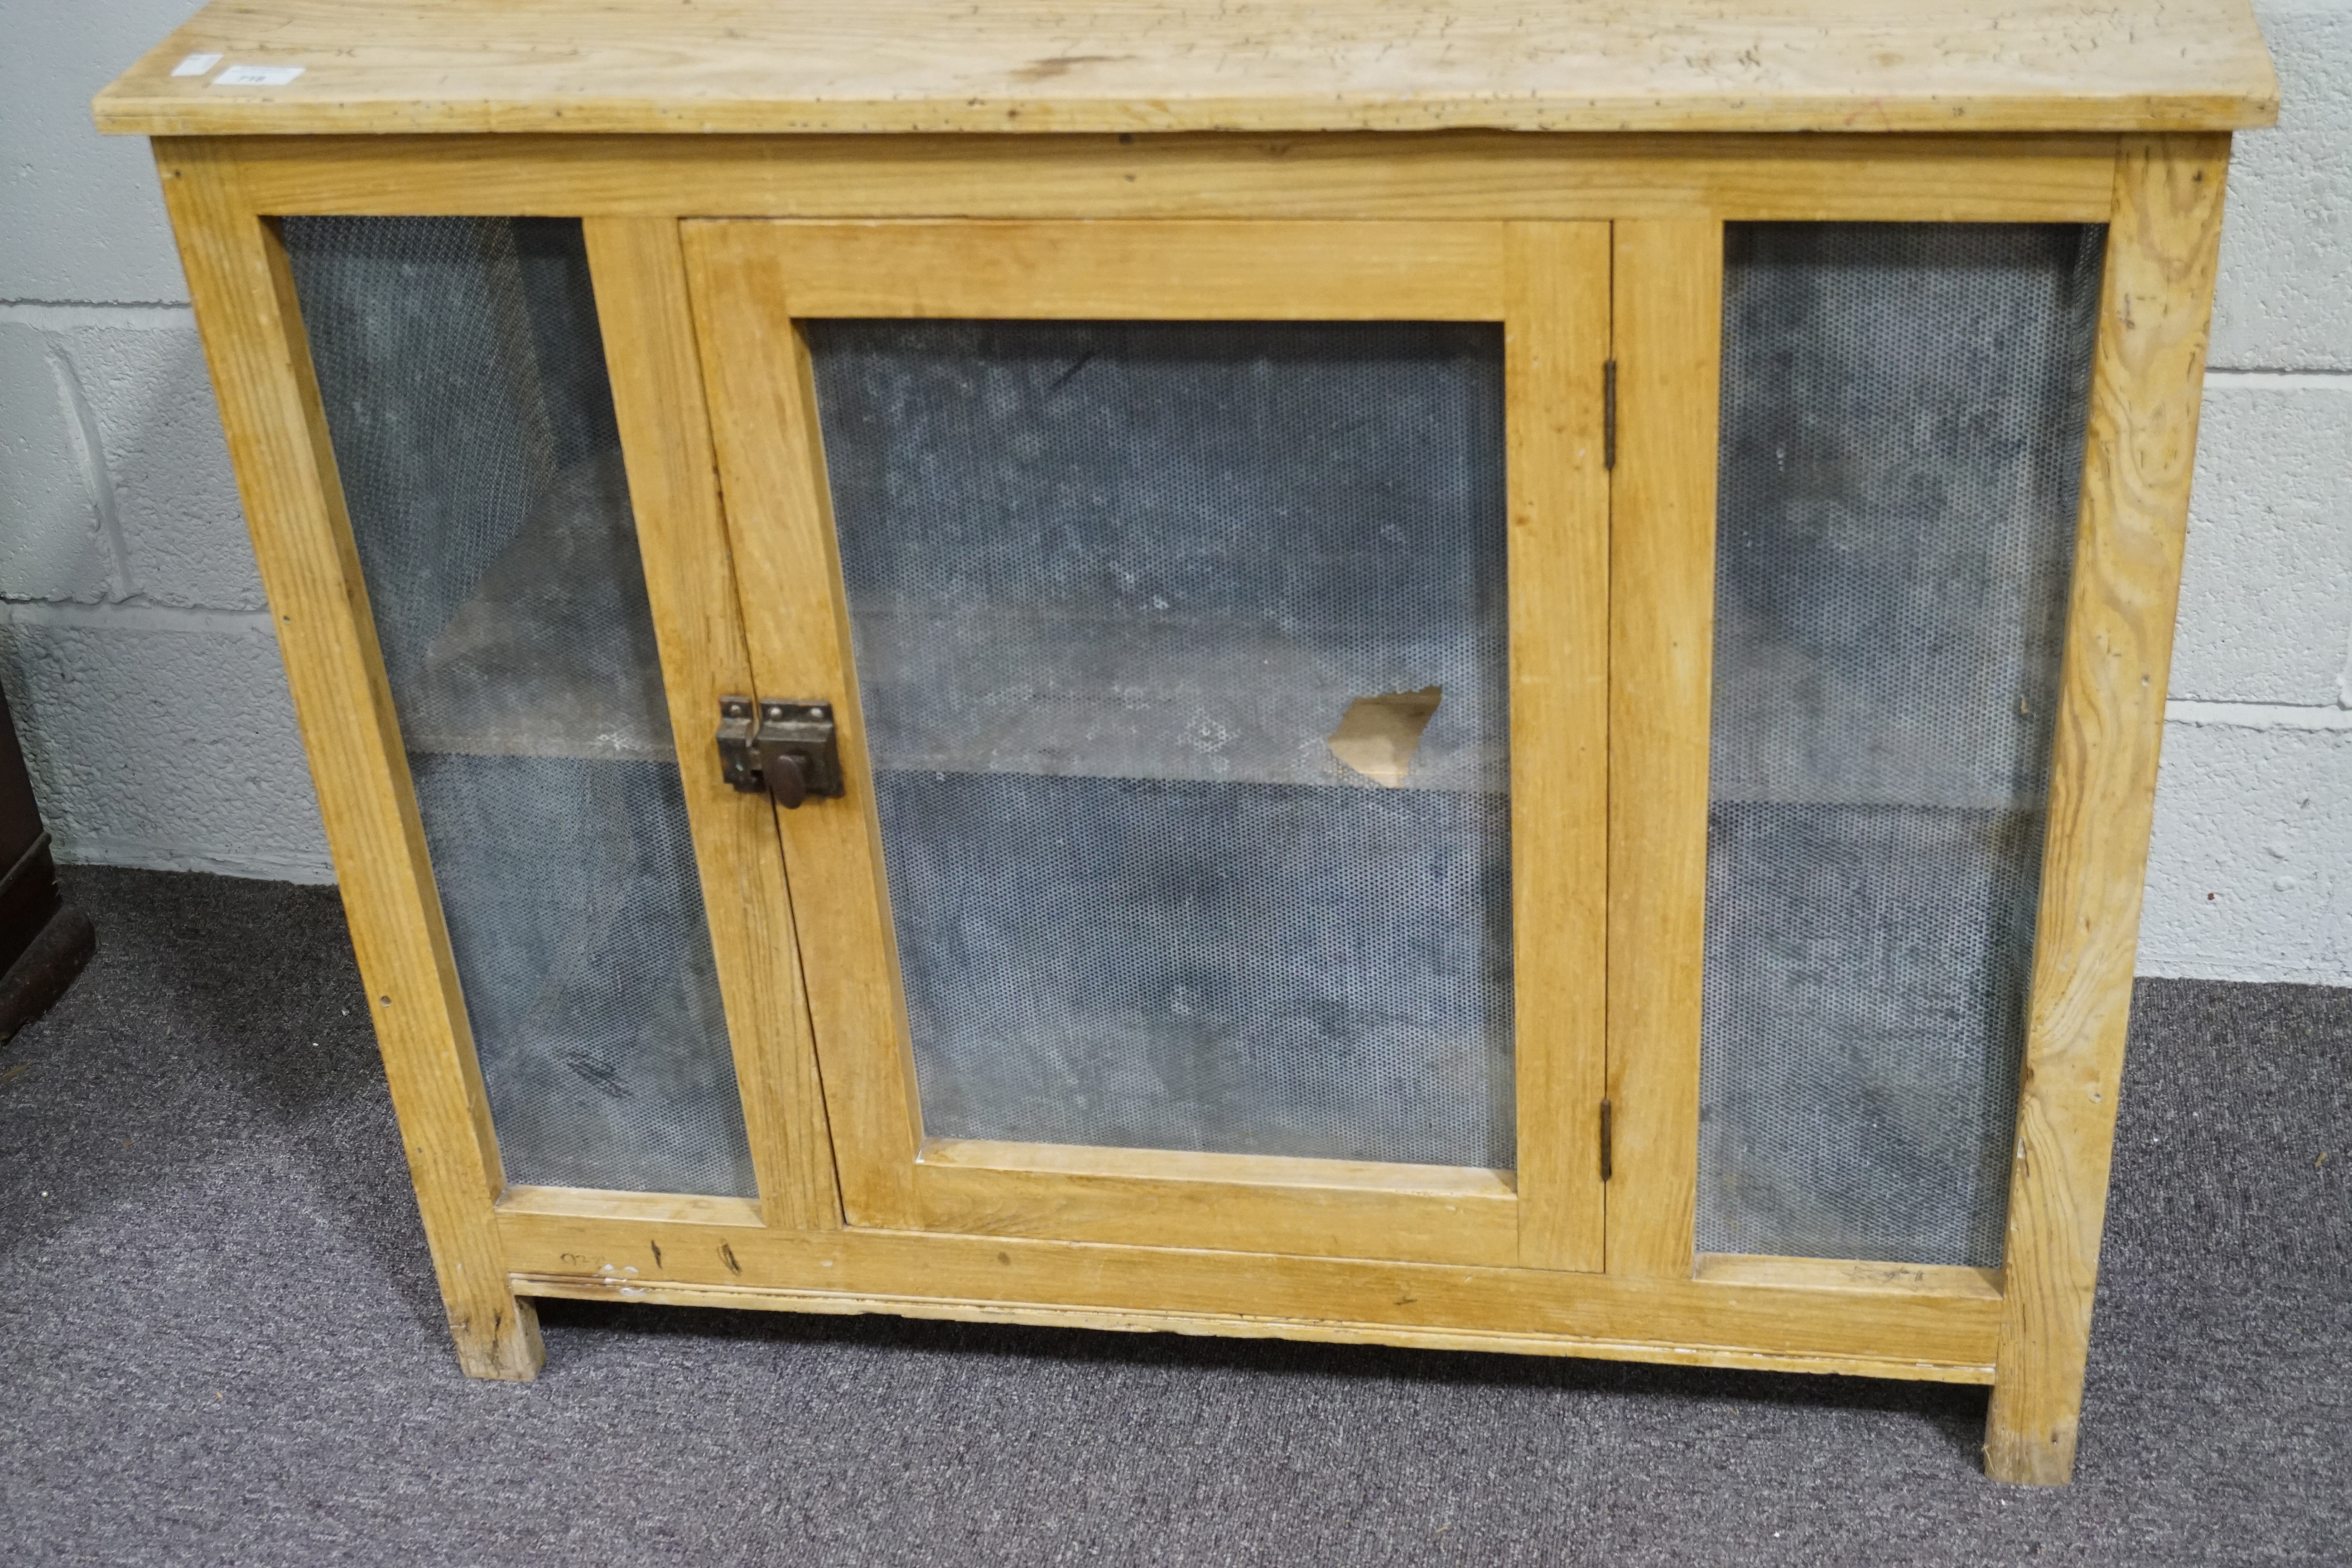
(2249, 875)
(134, 645)
(132, 626)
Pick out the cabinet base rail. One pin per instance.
(1782, 1315)
(1235, 1326)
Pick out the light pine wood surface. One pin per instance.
(1927, 1333)
(1555, 344)
(893, 66)
(1838, 1274)
(638, 267)
(1416, 177)
(1596, 1346)
(607, 1203)
(779, 523)
(1172, 269)
(1235, 1203)
(2140, 448)
(1669, 307)
(251, 326)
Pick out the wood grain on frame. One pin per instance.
(1632, 1345)
(251, 326)
(778, 512)
(2140, 446)
(1669, 325)
(608, 1202)
(1555, 348)
(1893, 1333)
(1414, 178)
(639, 272)
(1237, 1203)
(1839, 1274)
(1172, 270)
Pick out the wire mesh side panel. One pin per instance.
(1114, 588)
(1903, 417)
(462, 372)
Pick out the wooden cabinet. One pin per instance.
(1484, 677)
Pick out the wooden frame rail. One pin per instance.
(1452, 176)
(1923, 1333)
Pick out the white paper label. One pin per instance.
(257, 76)
(195, 65)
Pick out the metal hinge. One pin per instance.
(1608, 1141)
(789, 749)
(1609, 414)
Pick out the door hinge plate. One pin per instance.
(789, 749)
(1609, 414)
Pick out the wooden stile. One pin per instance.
(648, 328)
(1669, 287)
(1555, 348)
(2139, 451)
(252, 331)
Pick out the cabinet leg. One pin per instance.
(502, 1344)
(2139, 447)
(2029, 1434)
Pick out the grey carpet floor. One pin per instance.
(219, 1342)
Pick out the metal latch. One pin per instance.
(787, 748)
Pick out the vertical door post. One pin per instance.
(1669, 349)
(1555, 345)
(252, 330)
(638, 265)
(762, 398)
(2140, 445)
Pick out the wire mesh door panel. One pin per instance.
(1113, 588)
(1180, 666)
(462, 374)
(1902, 444)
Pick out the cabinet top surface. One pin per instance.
(1263, 66)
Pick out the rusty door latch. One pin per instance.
(789, 749)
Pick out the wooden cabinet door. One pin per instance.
(1213, 616)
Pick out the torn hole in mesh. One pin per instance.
(1379, 735)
